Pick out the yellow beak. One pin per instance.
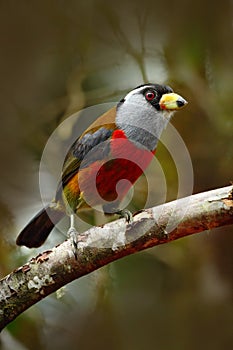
(172, 102)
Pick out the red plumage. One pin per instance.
(125, 161)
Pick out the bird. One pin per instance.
(106, 160)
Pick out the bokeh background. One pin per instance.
(58, 57)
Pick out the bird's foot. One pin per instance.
(126, 214)
(123, 213)
(77, 240)
(73, 234)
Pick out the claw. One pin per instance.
(125, 213)
(72, 233)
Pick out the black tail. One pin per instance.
(38, 229)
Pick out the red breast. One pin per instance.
(102, 179)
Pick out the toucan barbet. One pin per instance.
(119, 145)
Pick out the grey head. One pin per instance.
(145, 111)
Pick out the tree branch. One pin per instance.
(54, 268)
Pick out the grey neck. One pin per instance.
(143, 128)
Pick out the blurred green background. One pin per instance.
(58, 57)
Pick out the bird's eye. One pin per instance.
(150, 95)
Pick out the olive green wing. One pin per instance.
(97, 142)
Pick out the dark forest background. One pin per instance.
(57, 57)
